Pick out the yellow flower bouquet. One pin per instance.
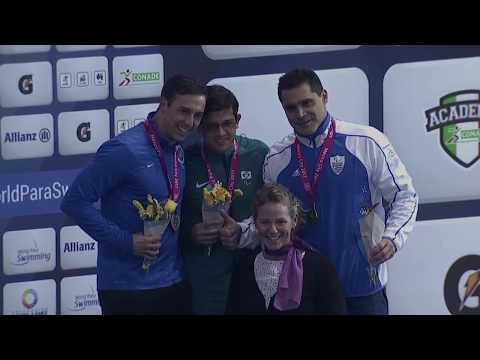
(216, 199)
(218, 195)
(156, 217)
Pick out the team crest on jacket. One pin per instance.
(337, 163)
(246, 176)
(458, 121)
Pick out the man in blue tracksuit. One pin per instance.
(344, 174)
(145, 159)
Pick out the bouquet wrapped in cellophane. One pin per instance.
(372, 228)
(156, 217)
(216, 199)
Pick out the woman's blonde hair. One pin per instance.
(276, 193)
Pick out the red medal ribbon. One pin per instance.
(319, 165)
(173, 188)
(212, 179)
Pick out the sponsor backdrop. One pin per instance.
(59, 103)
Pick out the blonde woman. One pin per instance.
(286, 276)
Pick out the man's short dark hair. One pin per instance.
(297, 77)
(220, 98)
(182, 85)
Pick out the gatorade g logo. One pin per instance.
(25, 84)
(458, 119)
(83, 132)
(461, 289)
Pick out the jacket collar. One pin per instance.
(316, 140)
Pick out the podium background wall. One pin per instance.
(58, 103)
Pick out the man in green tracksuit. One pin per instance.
(235, 161)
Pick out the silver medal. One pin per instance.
(175, 221)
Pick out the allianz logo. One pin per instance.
(43, 135)
(75, 246)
